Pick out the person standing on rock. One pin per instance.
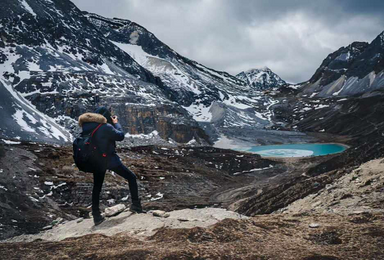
(105, 139)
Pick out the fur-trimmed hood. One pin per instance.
(92, 117)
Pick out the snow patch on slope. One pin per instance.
(27, 7)
(200, 112)
(135, 51)
(233, 101)
(163, 68)
(19, 117)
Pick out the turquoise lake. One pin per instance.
(297, 150)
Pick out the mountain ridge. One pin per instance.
(350, 71)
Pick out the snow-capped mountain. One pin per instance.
(57, 62)
(208, 95)
(261, 79)
(175, 70)
(344, 97)
(350, 71)
(61, 65)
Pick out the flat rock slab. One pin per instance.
(138, 225)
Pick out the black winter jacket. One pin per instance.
(105, 137)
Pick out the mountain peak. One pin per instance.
(354, 69)
(264, 68)
(261, 78)
(380, 38)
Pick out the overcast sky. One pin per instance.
(291, 37)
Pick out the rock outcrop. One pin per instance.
(359, 191)
(137, 225)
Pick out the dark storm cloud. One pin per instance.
(292, 37)
(330, 10)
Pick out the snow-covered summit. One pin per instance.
(261, 78)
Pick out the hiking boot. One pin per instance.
(98, 218)
(136, 206)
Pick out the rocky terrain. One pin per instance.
(360, 190)
(40, 183)
(137, 225)
(315, 237)
(57, 62)
(304, 203)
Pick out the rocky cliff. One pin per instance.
(350, 71)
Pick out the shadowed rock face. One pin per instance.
(169, 121)
(338, 62)
(172, 123)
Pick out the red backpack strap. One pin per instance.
(94, 131)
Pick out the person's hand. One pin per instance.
(114, 119)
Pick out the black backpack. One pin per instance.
(86, 154)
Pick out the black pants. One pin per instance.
(98, 179)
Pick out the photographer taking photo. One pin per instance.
(106, 130)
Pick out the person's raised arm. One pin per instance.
(116, 132)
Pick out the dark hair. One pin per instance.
(106, 113)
